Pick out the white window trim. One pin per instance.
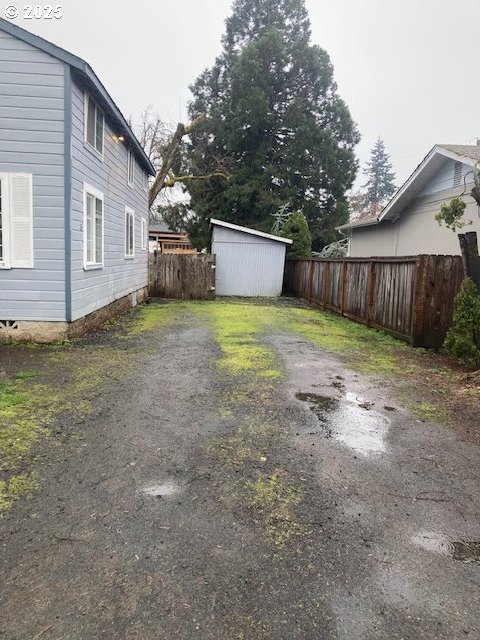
(144, 234)
(129, 211)
(130, 159)
(87, 144)
(146, 184)
(5, 263)
(88, 189)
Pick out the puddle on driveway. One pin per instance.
(349, 421)
(161, 490)
(461, 550)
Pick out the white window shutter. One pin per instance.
(21, 220)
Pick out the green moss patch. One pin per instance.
(150, 317)
(237, 331)
(276, 499)
(367, 350)
(18, 486)
(428, 411)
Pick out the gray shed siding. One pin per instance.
(247, 265)
(32, 141)
(93, 289)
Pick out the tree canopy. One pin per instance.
(380, 185)
(275, 124)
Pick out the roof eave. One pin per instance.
(353, 225)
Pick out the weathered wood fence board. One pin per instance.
(184, 277)
(411, 298)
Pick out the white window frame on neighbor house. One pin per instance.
(144, 234)
(145, 181)
(16, 220)
(131, 169)
(87, 98)
(88, 190)
(129, 233)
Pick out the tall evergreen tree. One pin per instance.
(275, 124)
(380, 185)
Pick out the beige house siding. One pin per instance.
(416, 231)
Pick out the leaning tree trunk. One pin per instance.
(161, 177)
(476, 194)
(471, 259)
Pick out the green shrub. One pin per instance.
(463, 339)
(296, 228)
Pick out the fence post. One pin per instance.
(370, 291)
(326, 280)
(419, 296)
(310, 281)
(342, 292)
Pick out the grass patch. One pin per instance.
(237, 330)
(428, 411)
(276, 500)
(368, 350)
(18, 486)
(150, 317)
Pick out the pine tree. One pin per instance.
(296, 228)
(380, 185)
(275, 124)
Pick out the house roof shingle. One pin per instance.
(465, 150)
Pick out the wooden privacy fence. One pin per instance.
(185, 277)
(411, 298)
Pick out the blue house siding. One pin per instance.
(93, 289)
(32, 141)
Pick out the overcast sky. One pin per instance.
(408, 69)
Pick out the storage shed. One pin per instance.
(250, 263)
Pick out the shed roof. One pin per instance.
(86, 72)
(252, 232)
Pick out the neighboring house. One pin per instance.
(249, 263)
(74, 194)
(407, 225)
(162, 239)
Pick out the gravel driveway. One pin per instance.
(235, 482)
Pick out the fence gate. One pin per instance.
(184, 277)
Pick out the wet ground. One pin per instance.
(234, 484)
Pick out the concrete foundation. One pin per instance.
(46, 332)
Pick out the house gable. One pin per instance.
(435, 164)
(89, 77)
(452, 173)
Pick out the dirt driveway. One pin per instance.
(234, 471)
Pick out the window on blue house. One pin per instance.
(94, 124)
(129, 232)
(93, 227)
